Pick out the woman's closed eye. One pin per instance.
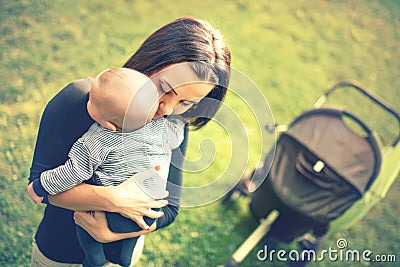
(186, 103)
(165, 88)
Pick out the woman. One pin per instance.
(178, 57)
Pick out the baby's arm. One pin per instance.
(79, 167)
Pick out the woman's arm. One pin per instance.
(126, 198)
(84, 197)
(95, 223)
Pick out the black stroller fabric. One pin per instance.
(322, 195)
(320, 167)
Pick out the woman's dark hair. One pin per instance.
(197, 42)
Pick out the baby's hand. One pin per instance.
(31, 193)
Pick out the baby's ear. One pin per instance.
(111, 126)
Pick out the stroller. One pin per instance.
(322, 177)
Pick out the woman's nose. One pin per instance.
(165, 108)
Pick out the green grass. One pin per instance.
(292, 50)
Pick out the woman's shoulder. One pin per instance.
(74, 92)
(68, 106)
(78, 87)
(82, 84)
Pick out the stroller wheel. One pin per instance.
(309, 242)
(241, 189)
(231, 263)
(231, 197)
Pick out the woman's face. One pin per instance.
(180, 89)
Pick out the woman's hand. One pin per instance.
(32, 194)
(132, 202)
(95, 223)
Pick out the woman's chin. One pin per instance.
(157, 116)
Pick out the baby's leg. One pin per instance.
(120, 252)
(121, 224)
(126, 251)
(94, 254)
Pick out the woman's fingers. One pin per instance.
(32, 194)
(154, 214)
(83, 218)
(95, 223)
(158, 204)
(142, 209)
(132, 202)
(142, 223)
(148, 213)
(146, 208)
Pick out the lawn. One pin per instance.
(290, 51)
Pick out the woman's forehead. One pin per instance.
(183, 80)
(193, 91)
(177, 74)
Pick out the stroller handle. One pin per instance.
(363, 91)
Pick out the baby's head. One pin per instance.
(122, 99)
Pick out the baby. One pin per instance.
(124, 140)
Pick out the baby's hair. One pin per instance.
(109, 75)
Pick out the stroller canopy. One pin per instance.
(322, 166)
